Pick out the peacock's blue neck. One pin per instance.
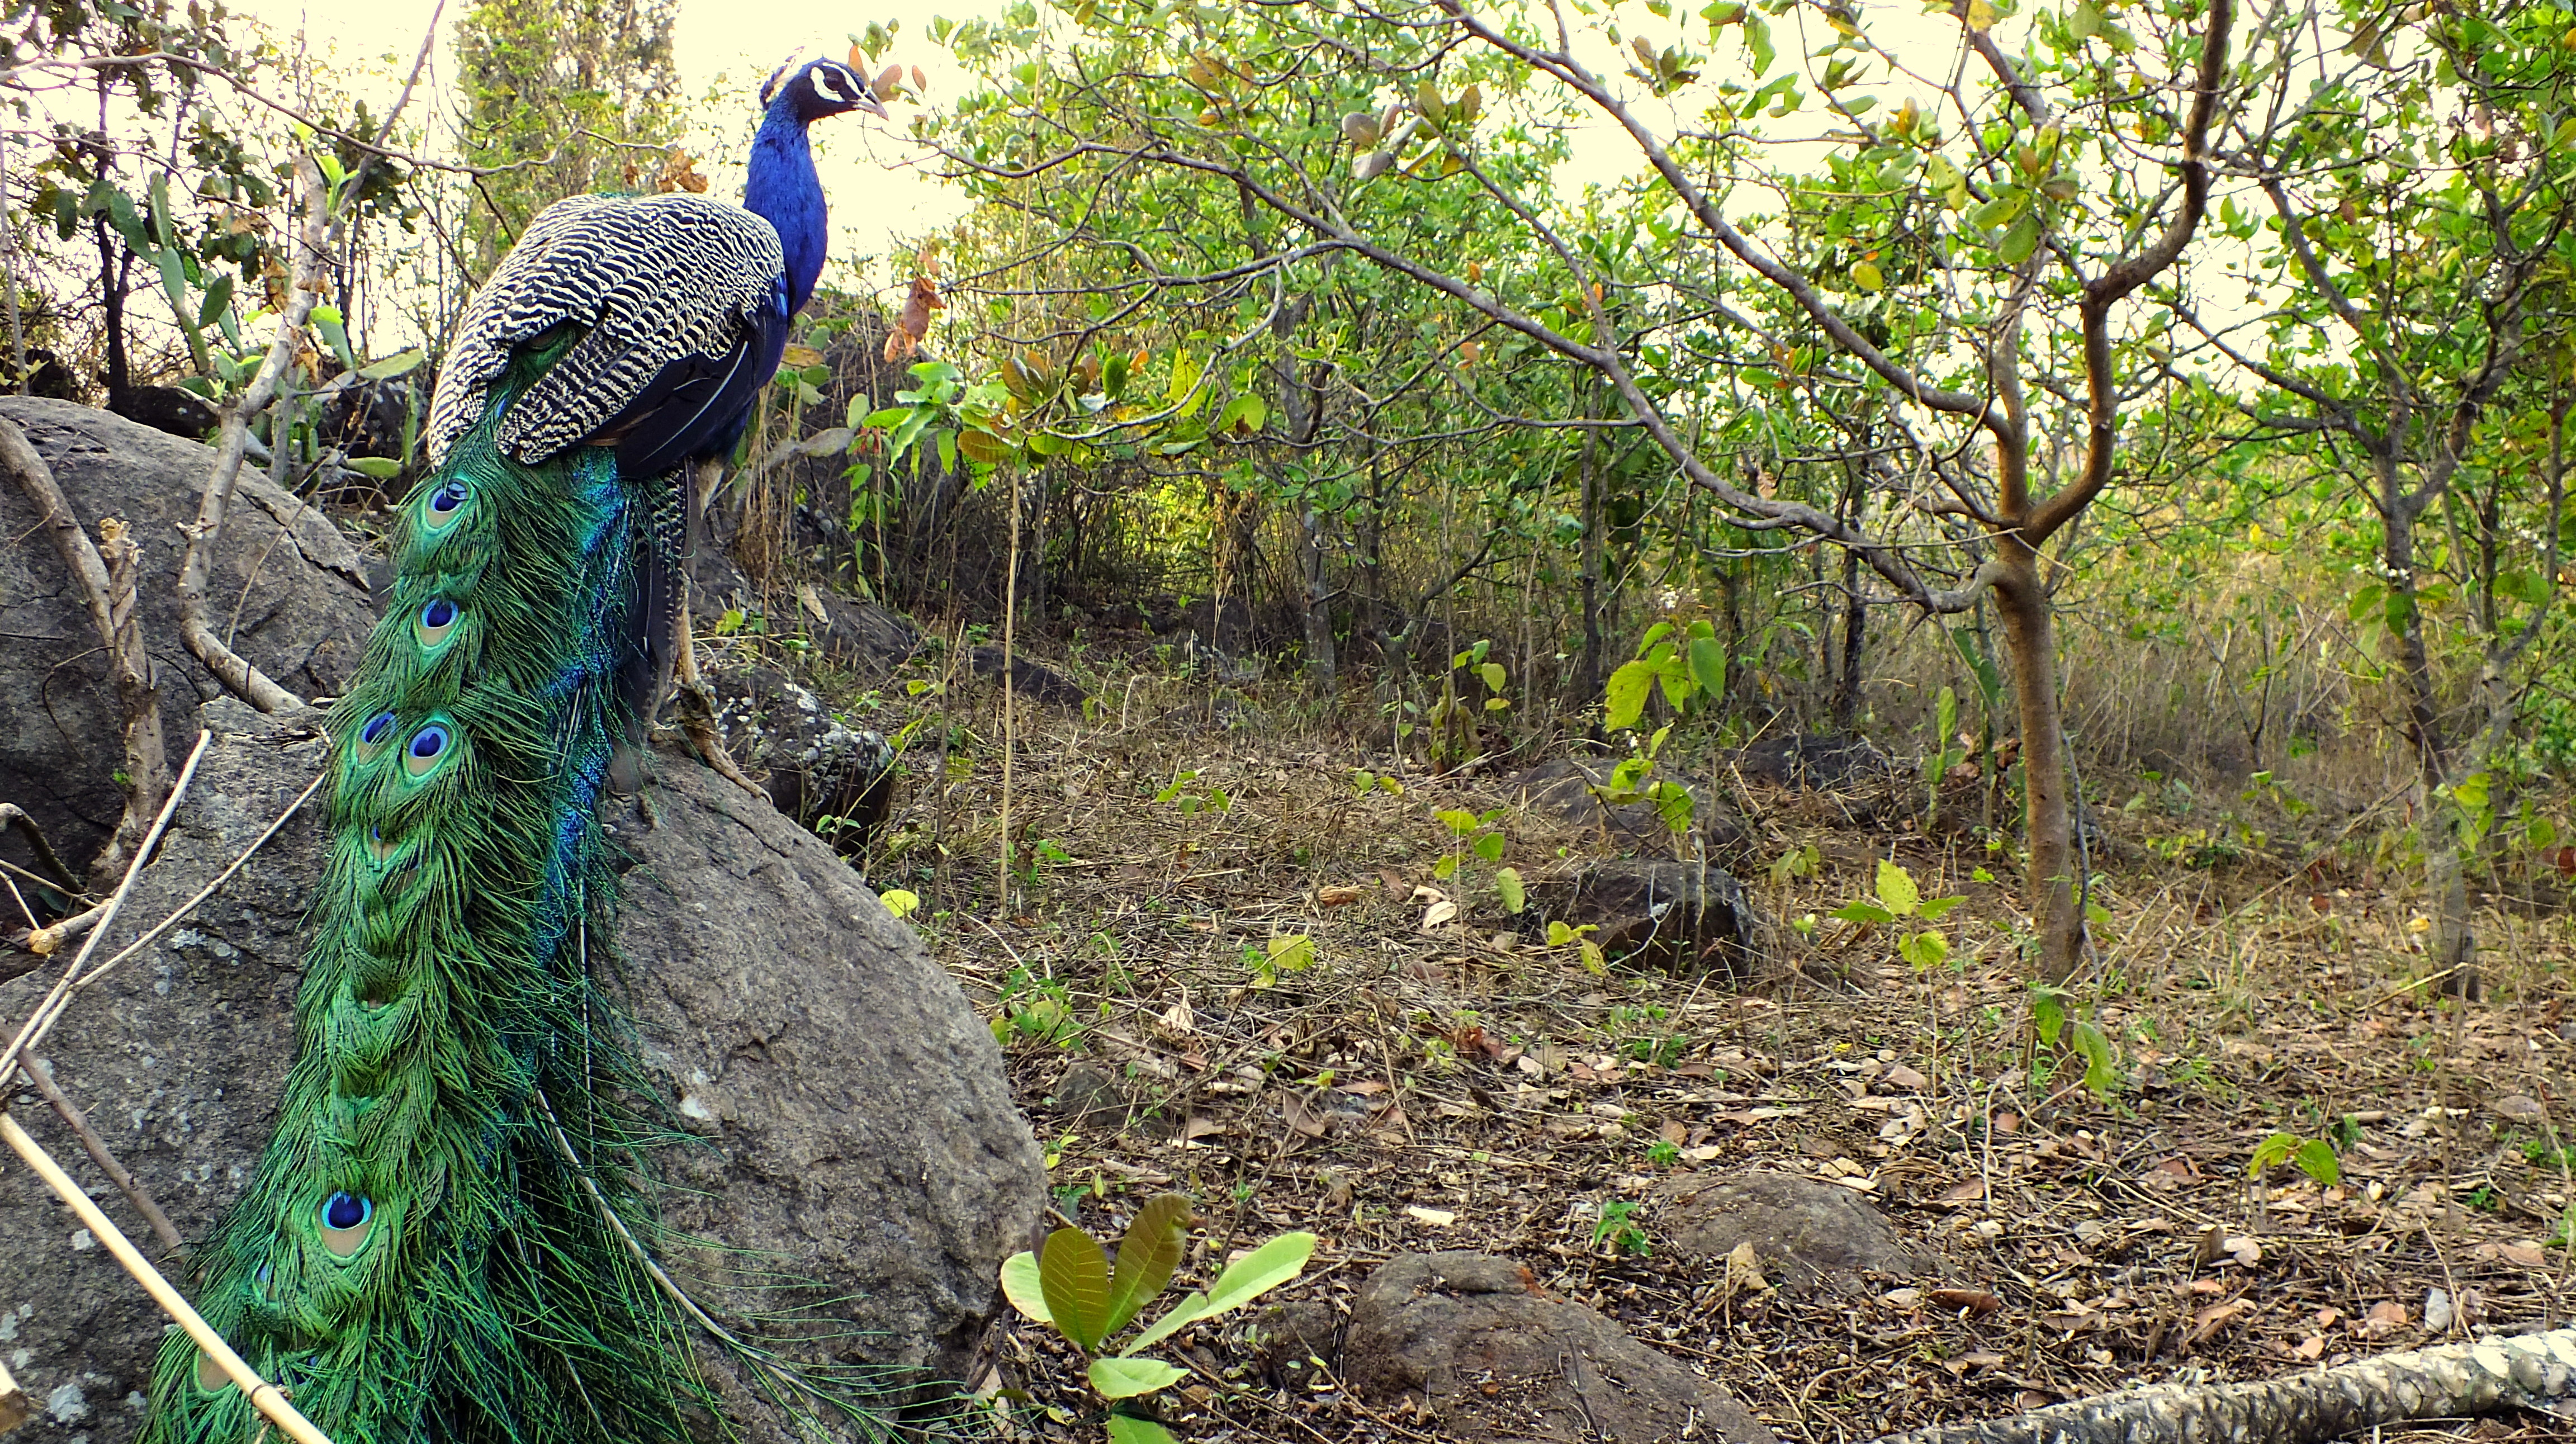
(784, 191)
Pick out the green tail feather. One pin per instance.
(418, 1256)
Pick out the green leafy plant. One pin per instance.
(1364, 782)
(1561, 934)
(1036, 1010)
(1618, 1227)
(1900, 899)
(1797, 862)
(1688, 664)
(1449, 720)
(1071, 1286)
(1945, 754)
(2050, 1013)
(1292, 953)
(1479, 835)
(2316, 1157)
(1186, 794)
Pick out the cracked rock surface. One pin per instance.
(288, 591)
(853, 1127)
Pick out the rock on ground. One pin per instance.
(846, 631)
(1562, 788)
(1805, 1230)
(835, 779)
(1476, 1340)
(289, 590)
(856, 1132)
(1689, 918)
(1030, 681)
(1828, 761)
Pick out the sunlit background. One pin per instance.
(883, 196)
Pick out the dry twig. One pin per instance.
(264, 1396)
(108, 591)
(39, 1072)
(16, 820)
(313, 254)
(41, 1021)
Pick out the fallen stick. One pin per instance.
(2454, 1381)
(264, 1396)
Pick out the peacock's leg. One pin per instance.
(696, 700)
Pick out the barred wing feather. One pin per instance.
(670, 290)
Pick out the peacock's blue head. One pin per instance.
(817, 88)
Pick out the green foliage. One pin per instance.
(2316, 1157)
(1898, 898)
(1618, 1227)
(562, 98)
(1188, 796)
(1477, 838)
(2051, 1016)
(1034, 1009)
(1290, 953)
(1070, 1286)
(1687, 664)
(1561, 934)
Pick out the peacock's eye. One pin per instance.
(346, 1221)
(378, 728)
(450, 495)
(428, 747)
(437, 621)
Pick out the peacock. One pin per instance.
(442, 1239)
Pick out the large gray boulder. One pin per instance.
(857, 1153)
(290, 592)
(1496, 1357)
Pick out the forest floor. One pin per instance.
(1431, 1082)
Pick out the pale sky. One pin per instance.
(881, 195)
(875, 199)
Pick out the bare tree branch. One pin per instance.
(313, 252)
(109, 594)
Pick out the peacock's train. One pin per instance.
(441, 1239)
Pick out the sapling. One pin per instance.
(1071, 1286)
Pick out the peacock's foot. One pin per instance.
(697, 710)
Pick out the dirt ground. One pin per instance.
(1437, 1077)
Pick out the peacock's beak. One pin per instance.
(875, 107)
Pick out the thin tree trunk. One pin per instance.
(9, 271)
(2452, 943)
(1036, 551)
(1855, 642)
(106, 576)
(1372, 620)
(111, 298)
(1321, 663)
(2022, 603)
(1591, 678)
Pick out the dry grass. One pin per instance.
(1465, 1071)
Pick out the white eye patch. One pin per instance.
(827, 84)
